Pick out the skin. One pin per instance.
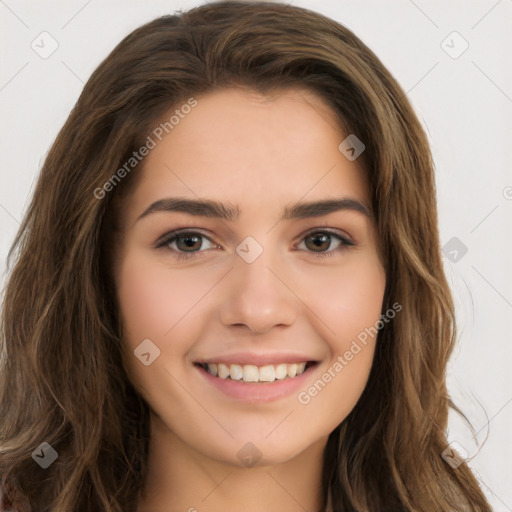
(260, 154)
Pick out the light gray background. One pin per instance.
(465, 104)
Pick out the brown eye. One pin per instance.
(189, 242)
(318, 242)
(325, 243)
(186, 243)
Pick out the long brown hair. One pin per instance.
(62, 380)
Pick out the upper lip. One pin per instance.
(243, 358)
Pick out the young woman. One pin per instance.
(228, 291)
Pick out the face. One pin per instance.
(248, 255)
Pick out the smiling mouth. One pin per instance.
(253, 373)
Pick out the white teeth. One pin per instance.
(252, 373)
(267, 373)
(292, 370)
(213, 369)
(281, 371)
(223, 370)
(235, 371)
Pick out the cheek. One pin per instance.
(154, 299)
(150, 306)
(349, 304)
(162, 305)
(347, 299)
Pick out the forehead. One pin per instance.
(240, 146)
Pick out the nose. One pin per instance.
(258, 296)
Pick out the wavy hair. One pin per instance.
(62, 379)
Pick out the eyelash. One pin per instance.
(164, 241)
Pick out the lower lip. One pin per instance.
(257, 392)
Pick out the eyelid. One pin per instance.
(167, 238)
(170, 235)
(329, 231)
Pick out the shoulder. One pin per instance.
(11, 499)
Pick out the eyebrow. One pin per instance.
(229, 212)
